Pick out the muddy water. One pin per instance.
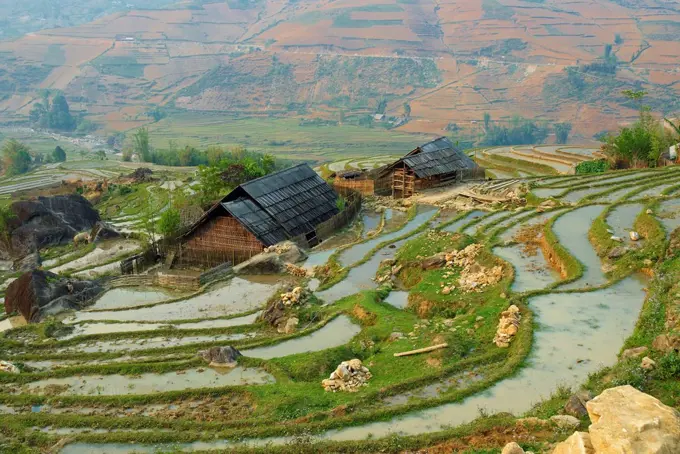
(119, 298)
(622, 218)
(118, 385)
(669, 214)
(356, 253)
(614, 196)
(397, 299)
(371, 222)
(318, 258)
(484, 222)
(576, 195)
(546, 193)
(531, 272)
(465, 220)
(127, 345)
(362, 277)
(99, 255)
(656, 190)
(337, 332)
(87, 329)
(235, 296)
(572, 233)
(592, 325)
(510, 233)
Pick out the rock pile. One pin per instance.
(507, 327)
(348, 377)
(8, 368)
(626, 420)
(295, 270)
(293, 297)
(473, 277)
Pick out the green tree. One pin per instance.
(211, 185)
(58, 154)
(487, 120)
(407, 109)
(127, 154)
(169, 223)
(101, 155)
(6, 217)
(215, 155)
(16, 157)
(675, 127)
(186, 155)
(142, 144)
(562, 131)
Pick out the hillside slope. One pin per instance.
(450, 61)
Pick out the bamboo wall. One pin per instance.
(220, 240)
(365, 186)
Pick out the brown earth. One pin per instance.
(450, 61)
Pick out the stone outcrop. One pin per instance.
(507, 327)
(37, 294)
(349, 376)
(576, 405)
(565, 421)
(512, 448)
(625, 420)
(221, 356)
(666, 343)
(634, 352)
(473, 276)
(46, 221)
(578, 443)
(288, 251)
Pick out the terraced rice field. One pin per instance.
(131, 359)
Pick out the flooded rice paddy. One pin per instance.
(120, 298)
(335, 333)
(119, 385)
(235, 296)
(571, 230)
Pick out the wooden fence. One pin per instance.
(353, 200)
(365, 187)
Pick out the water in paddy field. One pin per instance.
(119, 298)
(577, 334)
(669, 214)
(532, 272)
(371, 221)
(397, 299)
(355, 253)
(317, 258)
(571, 230)
(128, 345)
(484, 222)
(240, 294)
(510, 233)
(362, 277)
(546, 193)
(465, 220)
(337, 332)
(122, 385)
(88, 329)
(622, 218)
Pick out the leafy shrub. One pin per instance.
(588, 167)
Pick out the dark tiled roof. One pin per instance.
(437, 158)
(256, 221)
(297, 199)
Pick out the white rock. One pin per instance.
(512, 448)
(578, 443)
(565, 421)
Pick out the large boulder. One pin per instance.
(576, 405)
(221, 356)
(288, 252)
(37, 294)
(630, 421)
(47, 221)
(625, 420)
(265, 263)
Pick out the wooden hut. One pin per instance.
(436, 163)
(286, 205)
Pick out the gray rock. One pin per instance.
(566, 421)
(37, 294)
(266, 263)
(29, 263)
(634, 352)
(227, 356)
(617, 252)
(576, 405)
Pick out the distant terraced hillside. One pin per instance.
(335, 60)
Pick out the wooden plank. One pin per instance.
(422, 350)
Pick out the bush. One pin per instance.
(589, 167)
(668, 366)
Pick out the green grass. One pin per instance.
(304, 143)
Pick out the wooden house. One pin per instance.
(286, 205)
(436, 163)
